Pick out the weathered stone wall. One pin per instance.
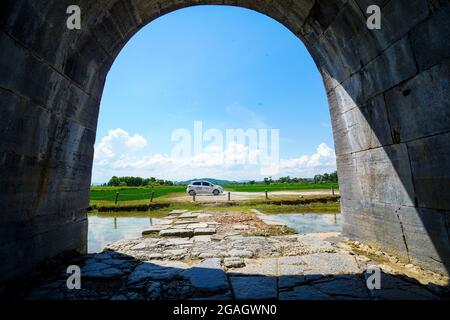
(389, 101)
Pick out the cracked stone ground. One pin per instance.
(234, 256)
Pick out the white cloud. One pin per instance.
(116, 144)
(324, 160)
(116, 155)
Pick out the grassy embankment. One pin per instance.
(137, 199)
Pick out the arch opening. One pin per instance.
(223, 80)
(388, 93)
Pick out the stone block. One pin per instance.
(381, 175)
(344, 287)
(394, 65)
(426, 234)
(156, 270)
(420, 106)
(375, 224)
(304, 292)
(362, 128)
(260, 267)
(207, 275)
(204, 231)
(341, 48)
(31, 248)
(430, 165)
(154, 230)
(180, 233)
(430, 39)
(393, 27)
(234, 262)
(254, 288)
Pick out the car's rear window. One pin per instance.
(197, 184)
(206, 184)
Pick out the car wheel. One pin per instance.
(192, 193)
(216, 192)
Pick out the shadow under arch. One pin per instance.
(388, 91)
(113, 275)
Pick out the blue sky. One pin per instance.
(227, 67)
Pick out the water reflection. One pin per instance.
(107, 230)
(311, 222)
(104, 230)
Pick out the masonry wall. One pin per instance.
(389, 102)
(391, 121)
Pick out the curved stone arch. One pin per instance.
(388, 92)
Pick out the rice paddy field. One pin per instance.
(126, 194)
(129, 196)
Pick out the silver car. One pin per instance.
(203, 187)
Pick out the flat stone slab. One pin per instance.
(184, 222)
(154, 229)
(204, 231)
(139, 246)
(94, 269)
(207, 275)
(180, 233)
(203, 238)
(101, 256)
(344, 287)
(304, 293)
(241, 227)
(393, 288)
(241, 253)
(156, 270)
(188, 215)
(180, 226)
(292, 266)
(285, 282)
(176, 252)
(263, 266)
(177, 241)
(118, 262)
(174, 212)
(234, 262)
(198, 225)
(254, 288)
(331, 263)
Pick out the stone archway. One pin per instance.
(388, 92)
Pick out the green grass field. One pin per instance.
(127, 194)
(323, 204)
(136, 195)
(136, 198)
(280, 187)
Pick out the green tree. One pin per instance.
(114, 182)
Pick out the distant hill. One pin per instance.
(97, 183)
(212, 180)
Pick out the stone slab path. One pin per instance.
(229, 262)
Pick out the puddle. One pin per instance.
(311, 222)
(104, 230)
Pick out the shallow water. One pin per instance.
(311, 222)
(102, 231)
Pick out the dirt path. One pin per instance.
(236, 195)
